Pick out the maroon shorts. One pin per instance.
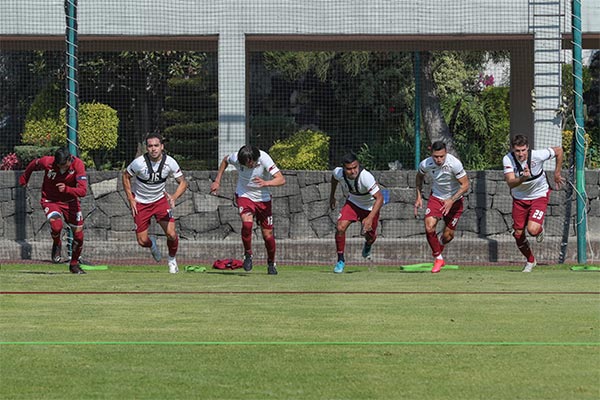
(160, 209)
(70, 212)
(259, 209)
(529, 210)
(434, 209)
(352, 212)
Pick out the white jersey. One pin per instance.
(265, 168)
(445, 177)
(365, 185)
(535, 188)
(148, 187)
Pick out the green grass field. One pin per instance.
(138, 332)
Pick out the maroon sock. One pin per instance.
(434, 243)
(523, 245)
(247, 237)
(270, 245)
(340, 243)
(56, 226)
(77, 247)
(172, 245)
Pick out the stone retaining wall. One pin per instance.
(300, 210)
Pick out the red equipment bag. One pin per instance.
(228, 263)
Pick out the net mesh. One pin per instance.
(359, 79)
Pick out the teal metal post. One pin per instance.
(579, 134)
(417, 69)
(72, 107)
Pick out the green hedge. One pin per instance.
(28, 153)
(304, 150)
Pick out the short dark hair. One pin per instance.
(154, 135)
(439, 145)
(349, 158)
(520, 140)
(248, 153)
(62, 156)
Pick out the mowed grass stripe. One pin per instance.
(175, 343)
(300, 293)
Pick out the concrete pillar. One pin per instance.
(232, 92)
(521, 85)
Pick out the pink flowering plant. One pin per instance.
(10, 162)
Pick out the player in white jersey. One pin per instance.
(363, 204)
(148, 198)
(524, 174)
(450, 183)
(257, 173)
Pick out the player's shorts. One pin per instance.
(160, 210)
(434, 209)
(69, 211)
(352, 212)
(529, 210)
(261, 210)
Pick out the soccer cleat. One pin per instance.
(154, 249)
(247, 262)
(540, 237)
(366, 251)
(339, 267)
(56, 250)
(529, 266)
(173, 268)
(437, 265)
(271, 269)
(76, 269)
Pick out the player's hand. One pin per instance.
(526, 172)
(170, 200)
(418, 205)
(447, 206)
(558, 180)
(133, 206)
(61, 187)
(367, 226)
(214, 188)
(258, 181)
(332, 203)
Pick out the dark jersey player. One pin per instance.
(65, 182)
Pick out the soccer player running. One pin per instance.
(257, 173)
(524, 174)
(362, 204)
(449, 184)
(148, 198)
(65, 182)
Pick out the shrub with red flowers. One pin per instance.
(10, 162)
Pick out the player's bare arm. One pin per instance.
(129, 193)
(214, 187)
(419, 188)
(181, 188)
(367, 223)
(464, 188)
(278, 180)
(513, 181)
(558, 179)
(332, 202)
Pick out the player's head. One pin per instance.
(520, 146)
(438, 152)
(248, 155)
(62, 157)
(350, 165)
(155, 145)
